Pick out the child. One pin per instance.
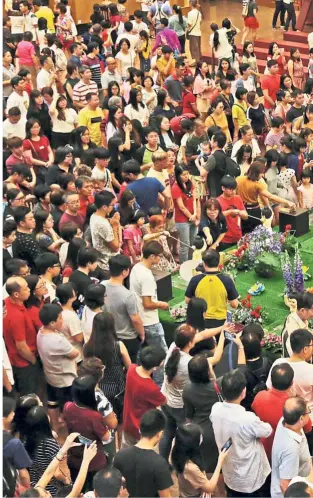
(157, 232)
(100, 171)
(132, 237)
(306, 190)
(145, 51)
(310, 66)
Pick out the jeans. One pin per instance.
(174, 417)
(187, 233)
(155, 337)
(291, 16)
(279, 10)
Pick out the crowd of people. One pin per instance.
(123, 150)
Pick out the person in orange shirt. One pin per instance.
(166, 63)
(83, 185)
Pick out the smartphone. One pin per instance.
(229, 317)
(229, 336)
(227, 445)
(84, 440)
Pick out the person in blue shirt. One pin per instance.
(146, 189)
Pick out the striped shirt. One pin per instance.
(44, 454)
(94, 65)
(80, 91)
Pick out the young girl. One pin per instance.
(295, 68)
(127, 207)
(306, 190)
(145, 51)
(132, 237)
(157, 232)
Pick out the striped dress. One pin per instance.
(44, 454)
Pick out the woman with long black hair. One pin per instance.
(46, 237)
(178, 23)
(114, 115)
(188, 463)
(203, 88)
(37, 148)
(80, 141)
(105, 344)
(38, 291)
(42, 448)
(81, 415)
(71, 264)
(186, 210)
(63, 163)
(38, 109)
(164, 105)
(136, 109)
(64, 121)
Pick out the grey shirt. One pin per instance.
(173, 391)
(121, 303)
(290, 457)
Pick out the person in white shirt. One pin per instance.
(301, 341)
(46, 76)
(133, 39)
(14, 126)
(194, 19)
(138, 24)
(143, 284)
(310, 40)
(18, 98)
(290, 453)
(298, 319)
(247, 468)
(30, 21)
(71, 327)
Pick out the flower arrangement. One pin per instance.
(255, 244)
(247, 313)
(229, 266)
(289, 240)
(293, 276)
(179, 313)
(272, 343)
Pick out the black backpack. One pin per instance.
(259, 377)
(225, 165)
(232, 168)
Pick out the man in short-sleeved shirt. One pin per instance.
(92, 116)
(270, 84)
(215, 288)
(290, 453)
(233, 210)
(146, 191)
(20, 336)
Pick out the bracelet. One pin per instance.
(62, 456)
(241, 348)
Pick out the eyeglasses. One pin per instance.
(56, 265)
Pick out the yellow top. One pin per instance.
(92, 120)
(220, 121)
(47, 14)
(248, 190)
(239, 112)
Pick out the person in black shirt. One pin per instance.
(58, 207)
(296, 110)
(38, 109)
(63, 163)
(87, 260)
(213, 219)
(146, 473)
(25, 246)
(8, 237)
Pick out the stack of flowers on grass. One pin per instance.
(246, 313)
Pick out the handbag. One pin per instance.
(245, 10)
(193, 27)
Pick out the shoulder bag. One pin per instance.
(193, 27)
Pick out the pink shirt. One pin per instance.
(25, 51)
(134, 234)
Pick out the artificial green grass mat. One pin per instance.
(271, 299)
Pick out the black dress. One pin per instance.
(113, 381)
(198, 401)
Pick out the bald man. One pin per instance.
(290, 452)
(110, 74)
(20, 336)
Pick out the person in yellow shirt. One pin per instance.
(92, 116)
(239, 110)
(218, 117)
(45, 12)
(166, 63)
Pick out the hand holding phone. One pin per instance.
(227, 445)
(229, 336)
(85, 441)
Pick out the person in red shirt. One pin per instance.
(38, 291)
(189, 99)
(186, 210)
(268, 405)
(270, 85)
(234, 211)
(71, 214)
(83, 185)
(141, 392)
(20, 337)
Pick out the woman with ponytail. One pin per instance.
(176, 377)
(178, 23)
(188, 463)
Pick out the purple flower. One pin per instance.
(298, 272)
